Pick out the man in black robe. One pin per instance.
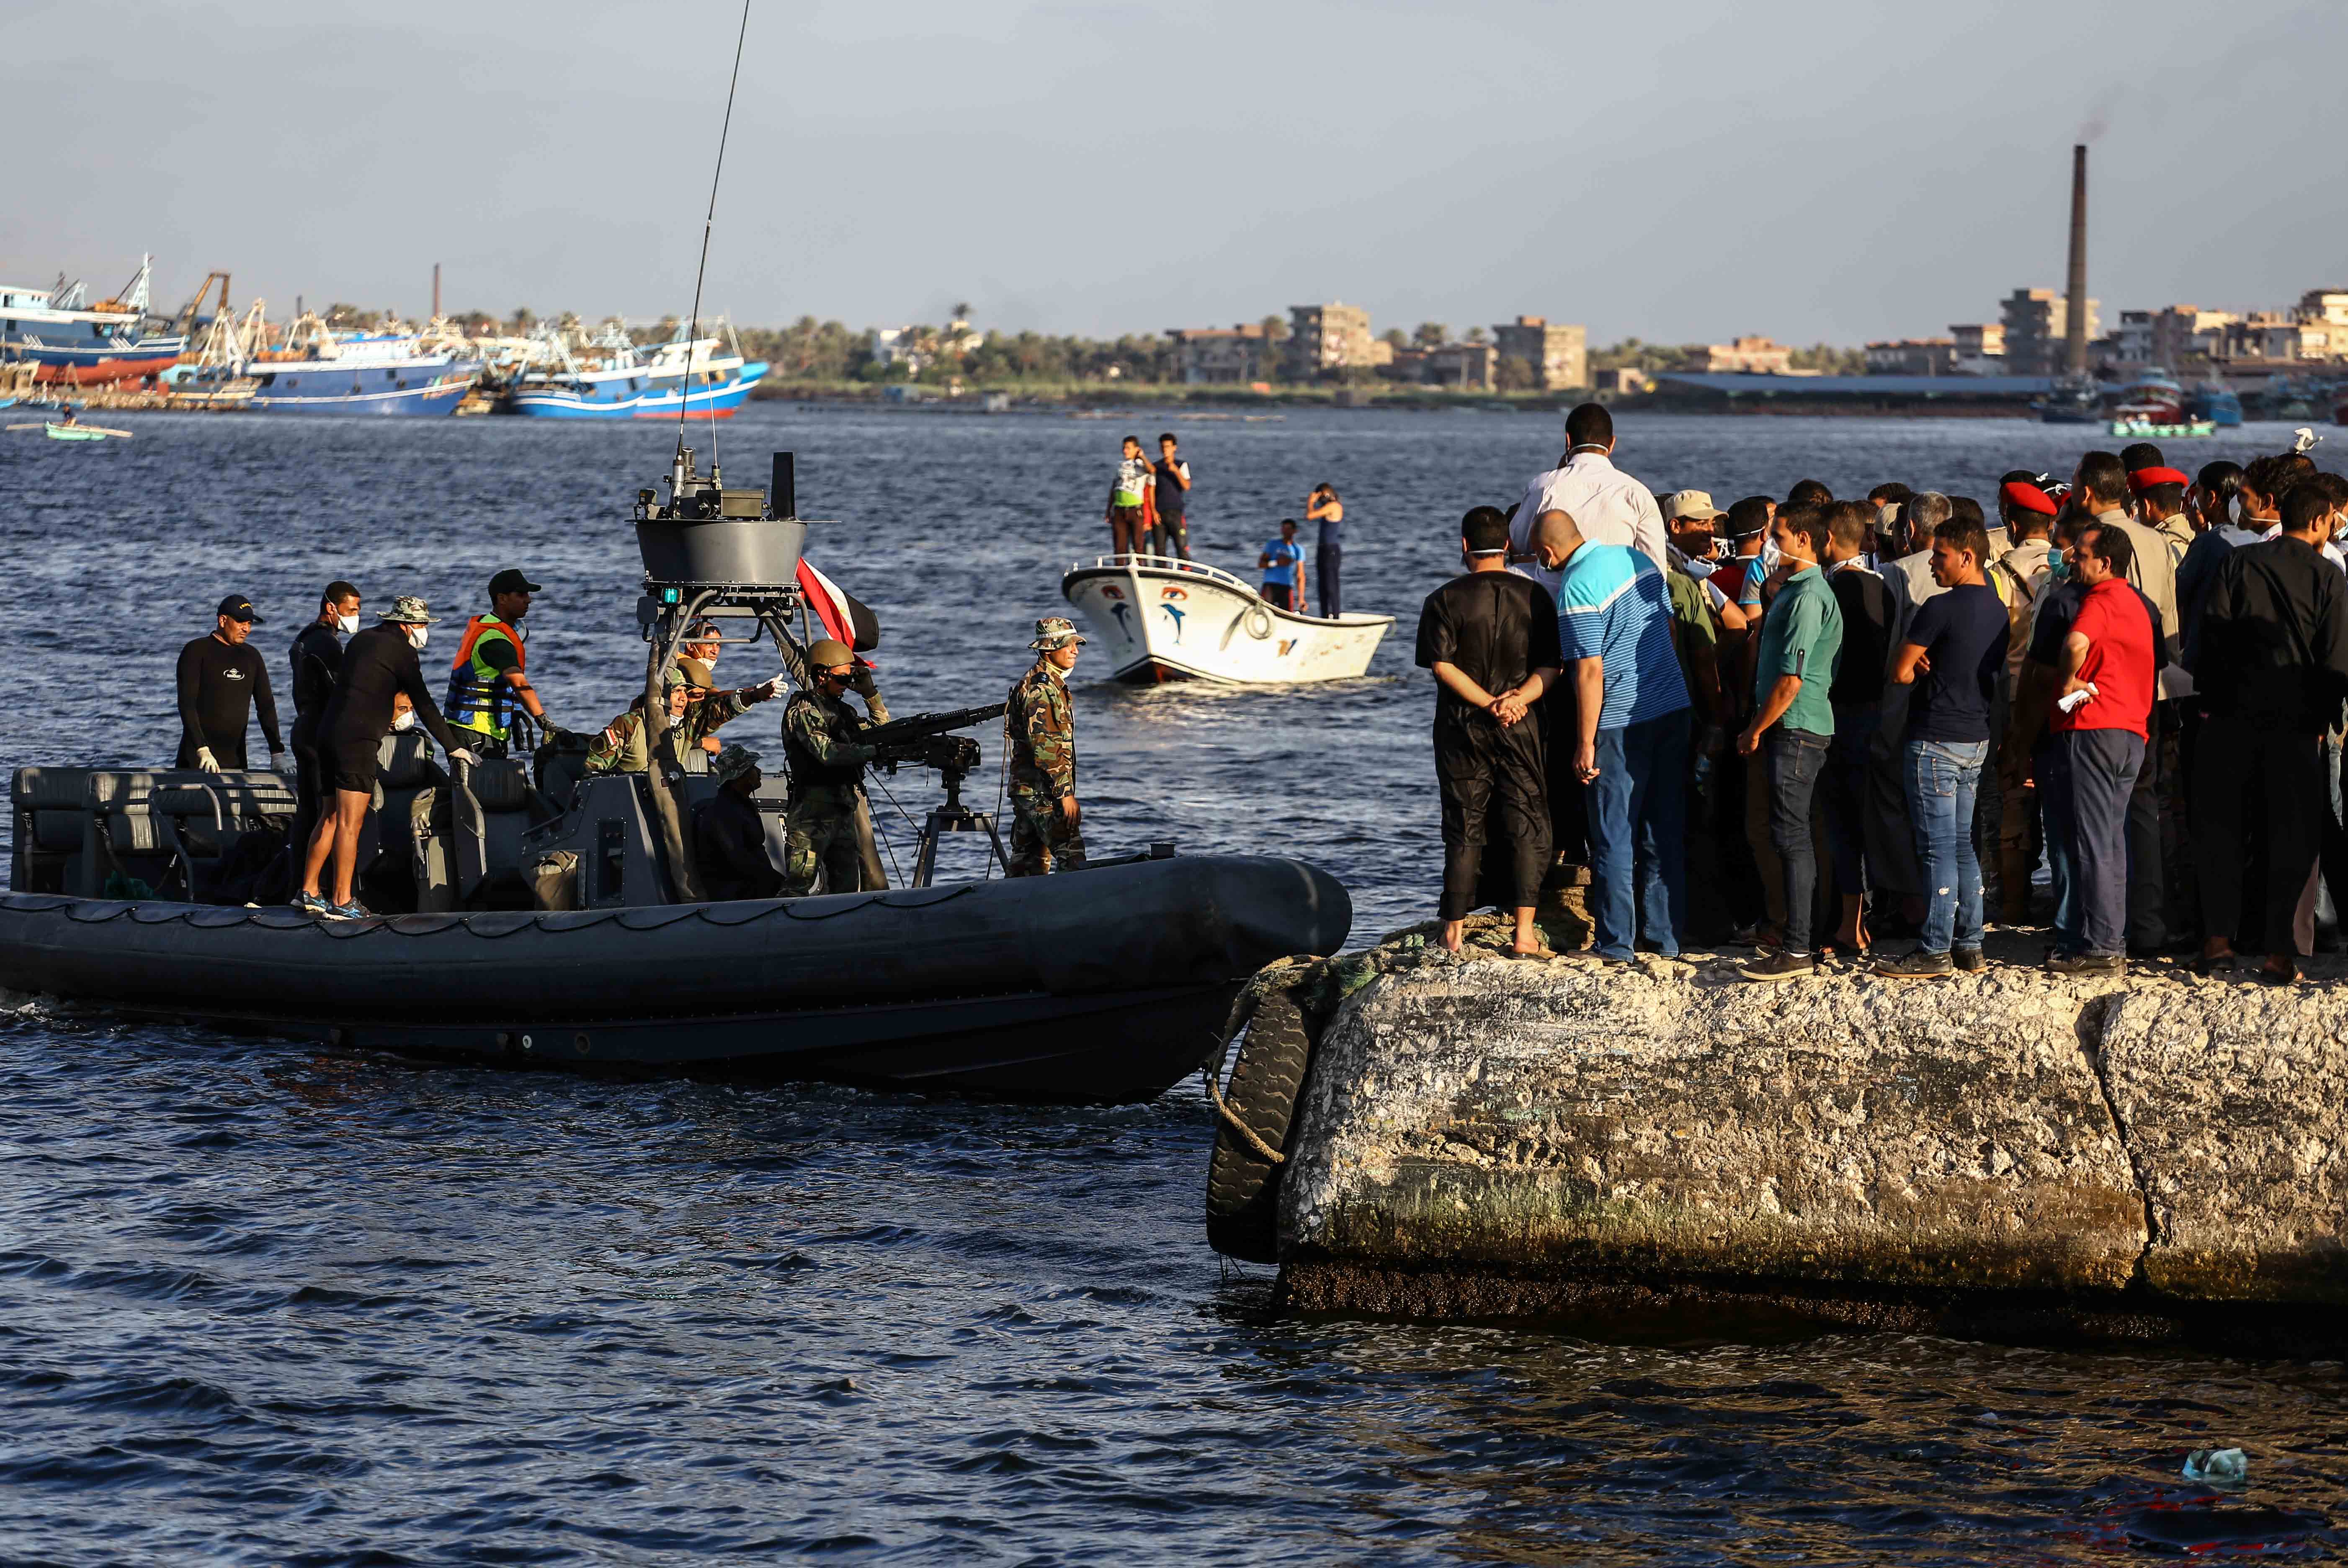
(1490, 638)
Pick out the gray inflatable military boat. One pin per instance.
(557, 921)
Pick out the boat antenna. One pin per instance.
(684, 380)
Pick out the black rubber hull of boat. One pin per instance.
(1102, 985)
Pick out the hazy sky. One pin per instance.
(1672, 171)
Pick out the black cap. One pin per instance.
(511, 581)
(237, 607)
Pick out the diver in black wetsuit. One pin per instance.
(379, 662)
(221, 680)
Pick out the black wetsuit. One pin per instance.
(219, 686)
(1497, 628)
(378, 663)
(729, 850)
(316, 655)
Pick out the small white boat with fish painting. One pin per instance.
(1157, 618)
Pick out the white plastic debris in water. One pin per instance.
(2217, 1467)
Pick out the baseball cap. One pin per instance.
(237, 607)
(1689, 503)
(511, 581)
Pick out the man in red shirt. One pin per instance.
(2099, 734)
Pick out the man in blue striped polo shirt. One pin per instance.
(1614, 627)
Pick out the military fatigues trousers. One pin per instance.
(819, 835)
(1041, 839)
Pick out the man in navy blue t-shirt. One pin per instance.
(1951, 654)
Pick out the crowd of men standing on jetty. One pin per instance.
(1854, 729)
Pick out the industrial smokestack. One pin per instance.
(2074, 317)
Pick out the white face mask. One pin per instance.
(404, 721)
(346, 624)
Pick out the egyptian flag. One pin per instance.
(842, 617)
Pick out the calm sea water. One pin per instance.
(264, 1302)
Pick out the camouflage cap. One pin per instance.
(733, 762)
(1055, 632)
(409, 611)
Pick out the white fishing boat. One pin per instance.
(1157, 618)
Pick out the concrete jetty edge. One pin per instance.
(1658, 1146)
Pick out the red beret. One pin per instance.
(2144, 479)
(2030, 498)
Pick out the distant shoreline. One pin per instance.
(1228, 402)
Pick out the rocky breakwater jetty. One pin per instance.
(2004, 1154)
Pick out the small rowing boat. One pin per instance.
(75, 432)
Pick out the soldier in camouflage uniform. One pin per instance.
(1045, 821)
(698, 713)
(827, 778)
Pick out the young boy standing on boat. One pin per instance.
(1282, 562)
(1128, 494)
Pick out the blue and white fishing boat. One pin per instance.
(619, 381)
(82, 345)
(319, 371)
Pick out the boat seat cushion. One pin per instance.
(37, 788)
(141, 833)
(188, 800)
(501, 785)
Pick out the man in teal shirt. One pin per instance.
(1801, 643)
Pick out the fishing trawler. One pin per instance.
(318, 370)
(82, 345)
(615, 379)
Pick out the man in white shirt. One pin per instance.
(1606, 504)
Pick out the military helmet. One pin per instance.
(732, 763)
(407, 610)
(1055, 632)
(830, 654)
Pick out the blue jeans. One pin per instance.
(1797, 758)
(1638, 826)
(1942, 777)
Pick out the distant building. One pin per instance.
(1464, 366)
(1977, 349)
(1750, 356)
(894, 345)
(1558, 356)
(1626, 382)
(2277, 337)
(1220, 357)
(2182, 332)
(1912, 356)
(2328, 306)
(2036, 322)
(1333, 336)
(1407, 366)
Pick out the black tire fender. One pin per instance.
(1242, 1186)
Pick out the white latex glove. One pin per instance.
(2078, 699)
(465, 757)
(204, 759)
(282, 764)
